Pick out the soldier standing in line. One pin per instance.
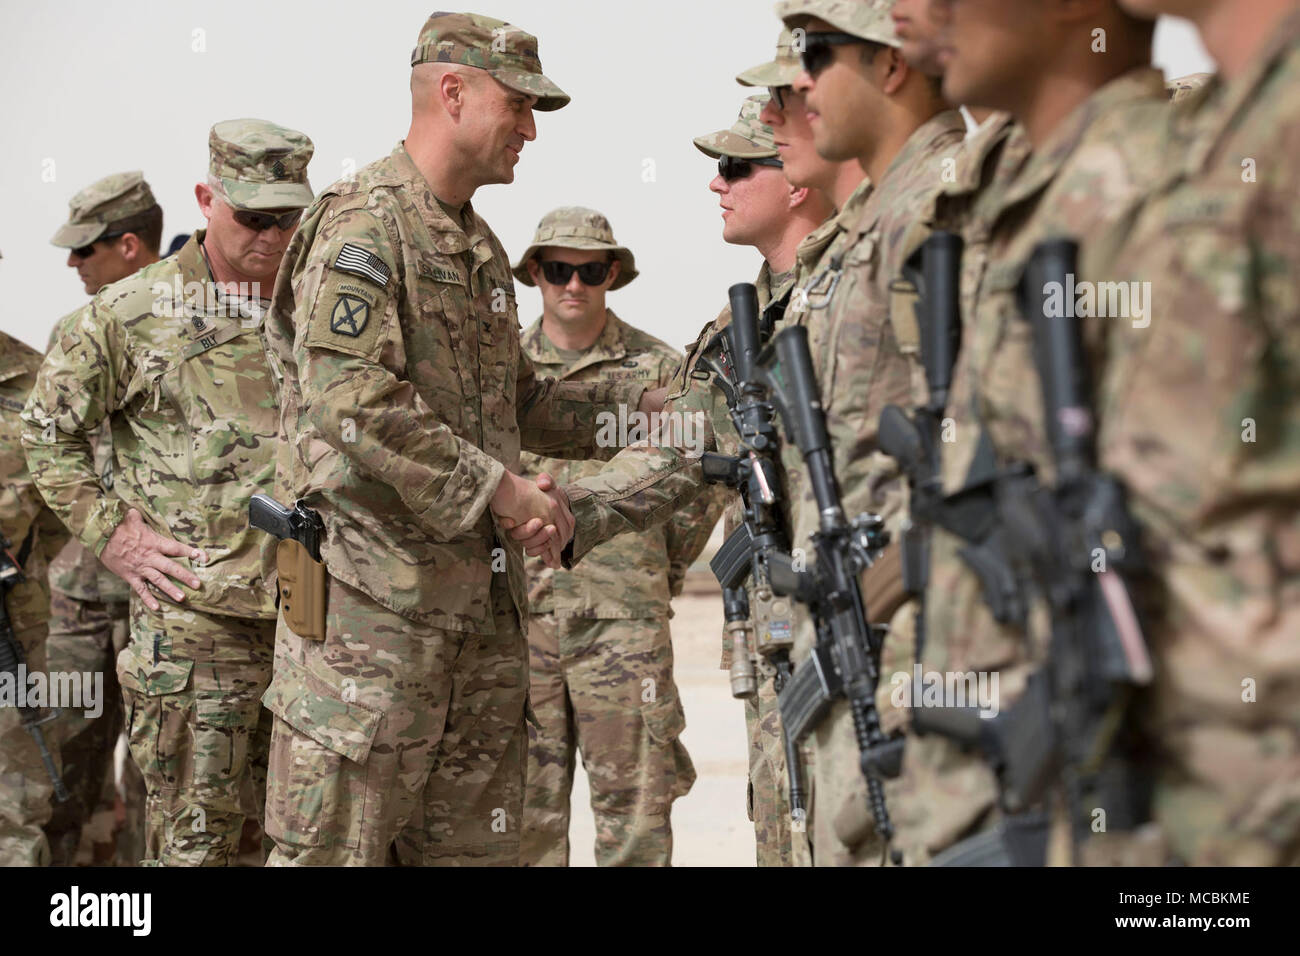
(866, 103)
(846, 186)
(173, 359)
(1216, 492)
(33, 536)
(600, 650)
(114, 229)
(1077, 157)
(400, 735)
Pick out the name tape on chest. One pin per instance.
(363, 263)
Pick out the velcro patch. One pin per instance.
(350, 316)
(361, 262)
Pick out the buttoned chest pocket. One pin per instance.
(437, 354)
(848, 352)
(497, 315)
(224, 385)
(1192, 390)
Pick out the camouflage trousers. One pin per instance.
(192, 683)
(86, 637)
(780, 839)
(26, 791)
(604, 688)
(397, 742)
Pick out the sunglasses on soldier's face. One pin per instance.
(262, 221)
(589, 273)
(778, 94)
(732, 168)
(819, 49)
(86, 251)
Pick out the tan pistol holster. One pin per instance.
(302, 590)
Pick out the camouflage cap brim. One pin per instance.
(245, 195)
(726, 143)
(869, 19)
(627, 269)
(549, 96)
(774, 73)
(73, 237)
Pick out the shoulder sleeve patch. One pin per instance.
(361, 262)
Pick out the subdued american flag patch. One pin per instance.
(359, 262)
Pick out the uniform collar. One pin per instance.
(1041, 167)
(447, 235)
(610, 346)
(899, 177)
(1235, 99)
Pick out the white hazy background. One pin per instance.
(92, 87)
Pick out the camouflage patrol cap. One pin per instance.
(783, 70)
(573, 227)
(869, 19)
(99, 205)
(506, 52)
(1185, 86)
(748, 138)
(260, 165)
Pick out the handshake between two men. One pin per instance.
(537, 514)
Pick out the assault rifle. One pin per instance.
(1072, 544)
(845, 657)
(761, 542)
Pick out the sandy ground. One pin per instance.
(710, 827)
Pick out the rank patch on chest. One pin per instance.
(350, 316)
(362, 263)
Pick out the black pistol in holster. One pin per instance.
(844, 663)
(12, 658)
(301, 587)
(1074, 546)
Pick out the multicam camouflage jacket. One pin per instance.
(648, 482)
(1199, 418)
(179, 372)
(76, 572)
(26, 523)
(406, 395)
(864, 350)
(629, 576)
(1092, 170)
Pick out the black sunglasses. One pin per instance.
(818, 49)
(88, 250)
(262, 221)
(777, 95)
(731, 168)
(590, 273)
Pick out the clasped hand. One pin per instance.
(536, 514)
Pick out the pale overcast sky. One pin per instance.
(92, 87)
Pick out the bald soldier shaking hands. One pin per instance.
(406, 401)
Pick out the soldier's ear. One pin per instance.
(131, 247)
(892, 70)
(615, 268)
(798, 196)
(203, 193)
(533, 270)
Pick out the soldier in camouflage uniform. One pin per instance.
(647, 483)
(173, 359)
(1064, 171)
(34, 536)
(863, 347)
(1216, 491)
(406, 400)
(114, 229)
(846, 186)
(600, 650)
